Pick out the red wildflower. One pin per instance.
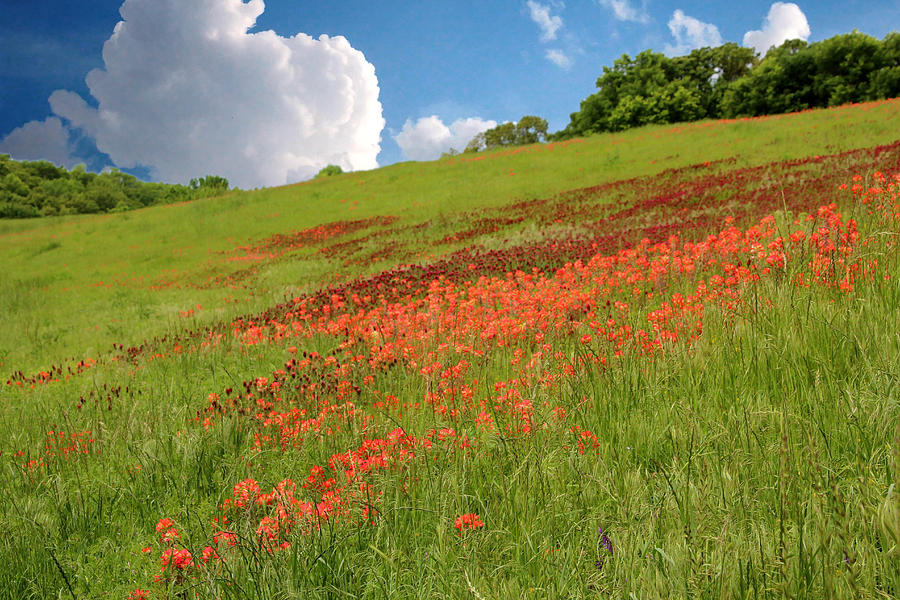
(169, 536)
(209, 553)
(468, 521)
(177, 561)
(180, 559)
(164, 524)
(229, 537)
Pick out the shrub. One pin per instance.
(329, 171)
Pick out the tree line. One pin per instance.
(731, 81)
(728, 81)
(40, 188)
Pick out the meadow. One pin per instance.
(655, 364)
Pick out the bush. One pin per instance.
(329, 171)
(8, 210)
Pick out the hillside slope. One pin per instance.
(660, 364)
(91, 275)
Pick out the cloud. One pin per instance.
(540, 14)
(428, 137)
(40, 140)
(549, 25)
(785, 21)
(625, 11)
(187, 91)
(691, 33)
(559, 58)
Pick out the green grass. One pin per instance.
(759, 460)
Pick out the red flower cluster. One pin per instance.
(545, 328)
(177, 565)
(341, 491)
(61, 447)
(167, 532)
(468, 521)
(686, 201)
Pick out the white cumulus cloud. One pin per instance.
(785, 21)
(691, 33)
(624, 10)
(40, 140)
(549, 24)
(559, 58)
(428, 137)
(187, 91)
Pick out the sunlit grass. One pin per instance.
(757, 458)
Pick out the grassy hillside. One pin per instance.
(660, 364)
(127, 277)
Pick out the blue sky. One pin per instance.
(190, 87)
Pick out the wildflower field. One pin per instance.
(657, 364)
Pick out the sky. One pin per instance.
(267, 92)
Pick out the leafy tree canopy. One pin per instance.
(528, 130)
(732, 81)
(40, 188)
(330, 171)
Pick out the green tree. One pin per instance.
(79, 173)
(52, 196)
(707, 73)
(329, 171)
(14, 185)
(42, 169)
(36, 188)
(885, 82)
(651, 88)
(103, 195)
(731, 62)
(780, 83)
(503, 134)
(530, 129)
(476, 144)
(844, 67)
(85, 203)
(210, 183)
(15, 210)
